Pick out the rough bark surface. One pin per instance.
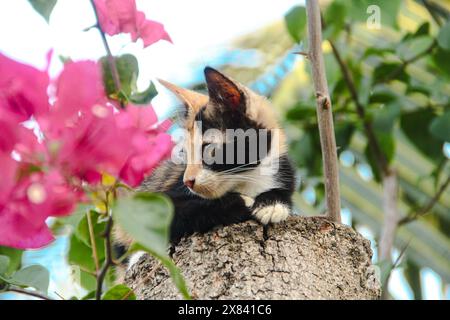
(301, 258)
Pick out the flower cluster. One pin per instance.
(81, 136)
(122, 16)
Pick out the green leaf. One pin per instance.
(382, 97)
(414, 46)
(4, 264)
(146, 96)
(88, 281)
(119, 292)
(377, 51)
(128, 69)
(334, 17)
(72, 220)
(146, 217)
(384, 118)
(15, 258)
(82, 230)
(440, 60)
(176, 276)
(344, 132)
(89, 296)
(301, 112)
(387, 145)
(412, 275)
(81, 255)
(295, 21)
(418, 89)
(443, 37)
(307, 153)
(422, 30)
(440, 127)
(34, 276)
(415, 126)
(390, 71)
(43, 7)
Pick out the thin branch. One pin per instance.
(324, 112)
(390, 222)
(29, 293)
(423, 211)
(92, 239)
(385, 291)
(391, 215)
(110, 57)
(370, 133)
(108, 260)
(62, 298)
(305, 54)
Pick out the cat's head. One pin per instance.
(231, 137)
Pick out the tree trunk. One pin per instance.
(301, 258)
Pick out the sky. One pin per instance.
(200, 29)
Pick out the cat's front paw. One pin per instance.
(249, 201)
(273, 213)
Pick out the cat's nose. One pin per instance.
(189, 183)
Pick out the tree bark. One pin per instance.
(301, 258)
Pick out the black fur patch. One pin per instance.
(283, 194)
(257, 143)
(119, 250)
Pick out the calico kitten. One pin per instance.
(235, 164)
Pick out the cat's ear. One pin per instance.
(192, 100)
(223, 90)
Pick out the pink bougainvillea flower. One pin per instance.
(17, 231)
(82, 137)
(9, 124)
(23, 89)
(94, 146)
(9, 168)
(33, 200)
(122, 16)
(124, 144)
(79, 87)
(144, 159)
(148, 145)
(148, 30)
(143, 117)
(147, 153)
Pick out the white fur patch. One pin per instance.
(249, 201)
(134, 259)
(272, 214)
